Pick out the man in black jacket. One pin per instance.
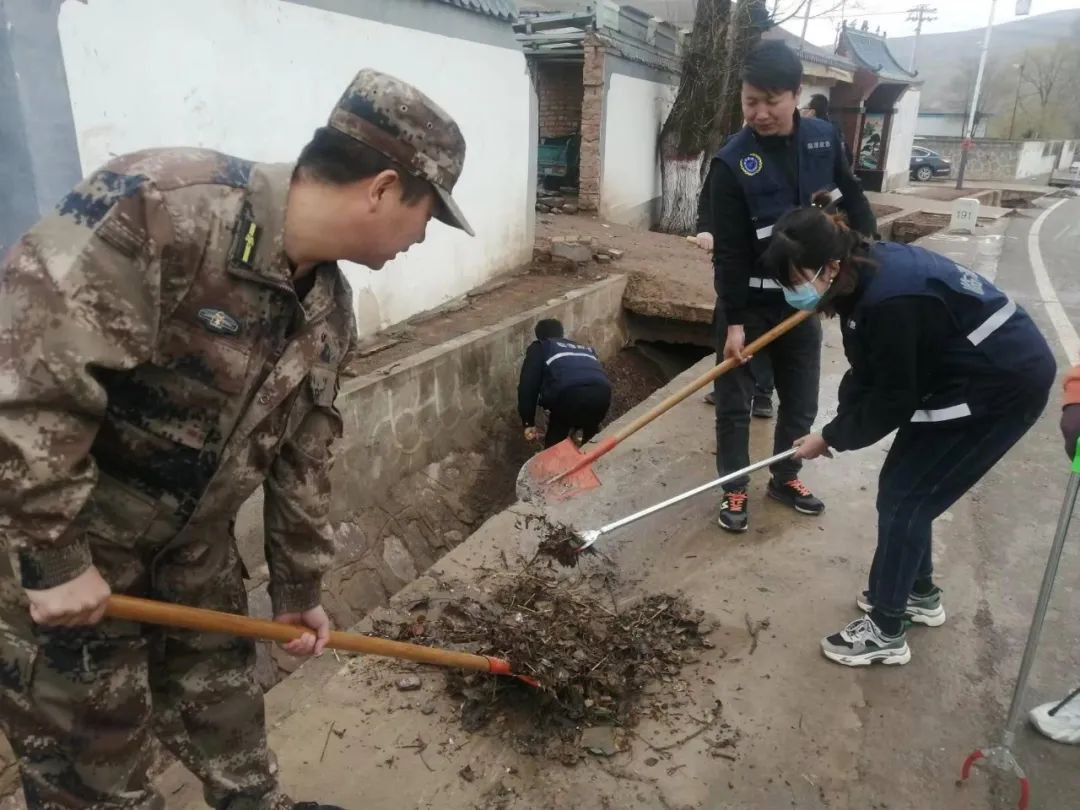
(567, 379)
(760, 366)
(777, 162)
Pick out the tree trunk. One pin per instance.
(707, 106)
(750, 21)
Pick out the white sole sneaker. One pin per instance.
(730, 529)
(930, 617)
(887, 657)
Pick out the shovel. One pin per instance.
(587, 538)
(133, 609)
(562, 471)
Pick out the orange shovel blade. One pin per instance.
(544, 475)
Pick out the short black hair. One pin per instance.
(810, 238)
(334, 158)
(774, 67)
(820, 105)
(549, 328)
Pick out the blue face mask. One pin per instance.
(804, 296)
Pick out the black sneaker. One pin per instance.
(762, 407)
(795, 494)
(733, 515)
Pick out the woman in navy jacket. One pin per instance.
(938, 354)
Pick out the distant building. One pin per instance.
(606, 77)
(935, 124)
(878, 111)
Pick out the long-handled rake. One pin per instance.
(587, 538)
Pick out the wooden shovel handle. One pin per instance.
(605, 446)
(133, 609)
(716, 371)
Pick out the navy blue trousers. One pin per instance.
(928, 469)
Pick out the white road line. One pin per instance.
(1070, 341)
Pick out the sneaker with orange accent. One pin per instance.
(797, 495)
(733, 514)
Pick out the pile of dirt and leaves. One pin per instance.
(597, 660)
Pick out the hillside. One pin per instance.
(948, 62)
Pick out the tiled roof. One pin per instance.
(500, 9)
(872, 52)
(809, 52)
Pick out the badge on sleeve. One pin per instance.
(751, 164)
(219, 322)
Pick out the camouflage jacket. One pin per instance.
(155, 357)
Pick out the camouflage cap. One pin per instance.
(400, 122)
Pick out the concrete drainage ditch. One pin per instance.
(433, 448)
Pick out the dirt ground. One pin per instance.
(915, 226)
(668, 276)
(881, 211)
(633, 379)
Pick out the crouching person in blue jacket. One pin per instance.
(938, 354)
(565, 378)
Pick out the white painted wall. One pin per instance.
(901, 139)
(1032, 163)
(635, 109)
(254, 78)
(1069, 152)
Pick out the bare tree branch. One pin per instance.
(799, 11)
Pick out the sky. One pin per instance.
(891, 15)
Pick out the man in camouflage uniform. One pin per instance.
(170, 339)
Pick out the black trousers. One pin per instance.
(761, 369)
(580, 408)
(928, 469)
(796, 369)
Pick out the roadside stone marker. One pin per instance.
(965, 215)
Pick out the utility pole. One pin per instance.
(805, 23)
(965, 148)
(1016, 101)
(918, 15)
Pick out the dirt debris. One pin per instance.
(599, 663)
(557, 541)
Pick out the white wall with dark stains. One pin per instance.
(636, 105)
(901, 139)
(1038, 159)
(254, 78)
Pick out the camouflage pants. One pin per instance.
(80, 706)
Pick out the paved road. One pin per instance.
(1054, 769)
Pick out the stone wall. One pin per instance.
(560, 93)
(592, 124)
(991, 159)
(1000, 159)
